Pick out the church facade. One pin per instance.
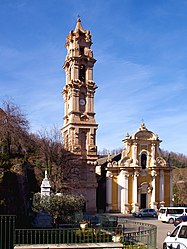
(138, 177)
(141, 178)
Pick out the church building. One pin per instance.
(136, 178)
(141, 178)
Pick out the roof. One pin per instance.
(109, 158)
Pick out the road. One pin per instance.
(162, 228)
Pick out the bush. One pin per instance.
(62, 206)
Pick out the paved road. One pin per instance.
(162, 228)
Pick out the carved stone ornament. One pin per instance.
(109, 165)
(76, 148)
(114, 164)
(160, 162)
(153, 173)
(136, 174)
(109, 174)
(92, 148)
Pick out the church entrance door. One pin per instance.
(143, 201)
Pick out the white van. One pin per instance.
(168, 214)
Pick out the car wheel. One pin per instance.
(171, 221)
(139, 215)
(164, 246)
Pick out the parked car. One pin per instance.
(180, 219)
(168, 214)
(146, 212)
(178, 238)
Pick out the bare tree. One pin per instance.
(52, 156)
(13, 128)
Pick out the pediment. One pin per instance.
(144, 135)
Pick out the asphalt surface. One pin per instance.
(162, 228)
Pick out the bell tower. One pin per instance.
(79, 129)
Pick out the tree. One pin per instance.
(180, 186)
(13, 128)
(14, 143)
(51, 156)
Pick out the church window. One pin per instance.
(82, 73)
(143, 161)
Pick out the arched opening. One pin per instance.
(82, 72)
(143, 161)
(81, 50)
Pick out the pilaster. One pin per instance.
(135, 205)
(123, 193)
(162, 187)
(109, 191)
(153, 204)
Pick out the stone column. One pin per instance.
(91, 101)
(135, 205)
(109, 191)
(88, 101)
(153, 203)
(126, 192)
(161, 188)
(120, 187)
(123, 191)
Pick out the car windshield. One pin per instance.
(174, 233)
(183, 232)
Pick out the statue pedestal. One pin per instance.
(43, 219)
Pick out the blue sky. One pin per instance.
(141, 69)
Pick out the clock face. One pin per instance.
(82, 102)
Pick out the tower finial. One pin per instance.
(78, 24)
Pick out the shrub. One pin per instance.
(62, 206)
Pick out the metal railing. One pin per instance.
(142, 238)
(61, 236)
(130, 234)
(7, 231)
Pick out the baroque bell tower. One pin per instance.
(79, 129)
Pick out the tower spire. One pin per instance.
(78, 25)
